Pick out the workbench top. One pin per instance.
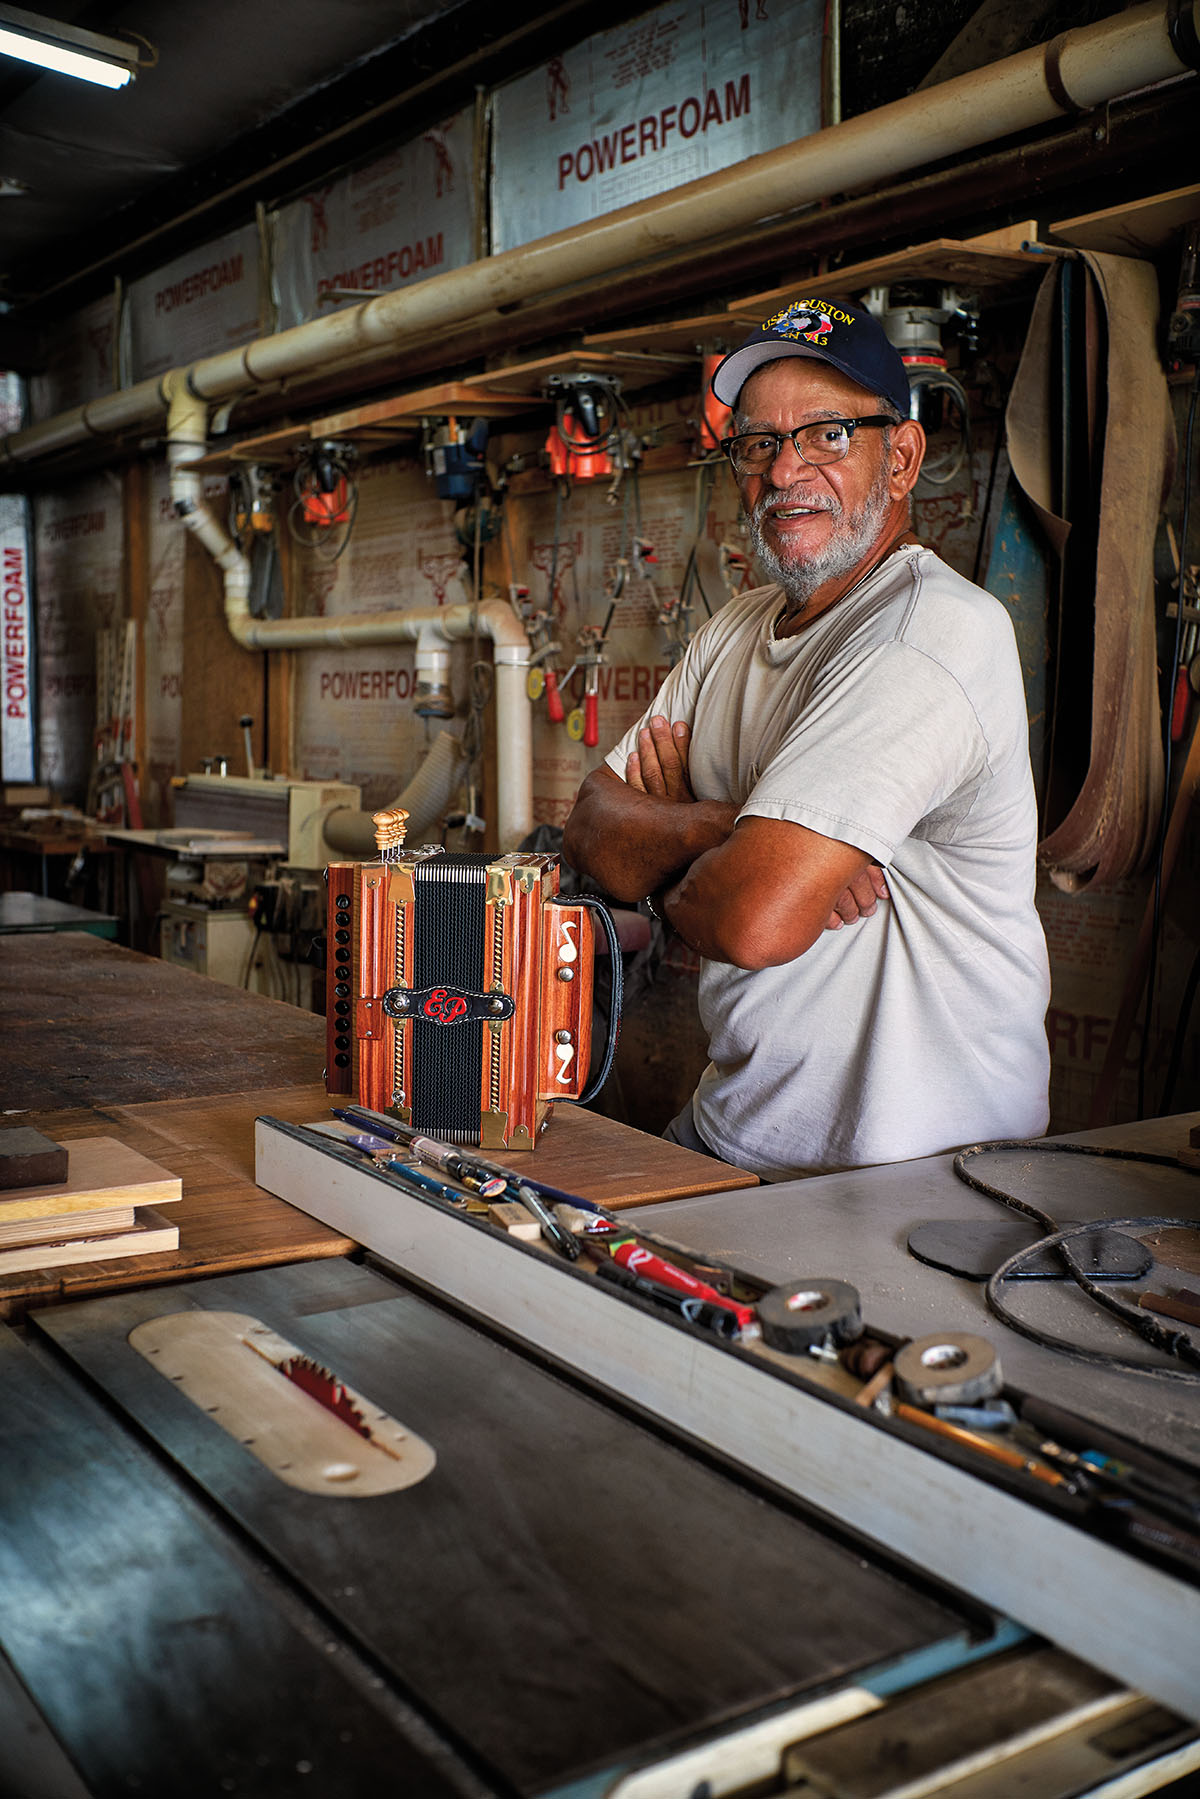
(21, 913)
(89, 1023)
(101, 1041)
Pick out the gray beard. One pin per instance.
(851, 540)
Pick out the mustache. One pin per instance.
(780, 502)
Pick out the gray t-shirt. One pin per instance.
(895, 722)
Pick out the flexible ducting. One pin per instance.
(426, 799)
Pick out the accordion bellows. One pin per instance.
(459, 993)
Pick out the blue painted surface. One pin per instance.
(883, 1681)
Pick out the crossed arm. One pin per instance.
(754, 895)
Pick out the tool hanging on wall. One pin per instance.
(252, 521)
(713, 423)
(592, 434)
(112, 788)
(702, 575)
(583, 722)
(543, 674)
(456, 461)
(321, 516)
(587, 425)
(914, 315)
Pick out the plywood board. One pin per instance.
(225, 1221)
(54, 1230)
(101, 1173)
(632, 368)
(151, 1233)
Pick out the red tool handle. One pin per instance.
(554, 705)
(591, 721)
(1179, 710)
(651, 1267)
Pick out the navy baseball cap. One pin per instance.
(848, 337)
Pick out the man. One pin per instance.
(863, 713)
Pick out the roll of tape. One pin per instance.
(808, 1312)
(954, 1368)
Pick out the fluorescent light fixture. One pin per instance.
(66, 49)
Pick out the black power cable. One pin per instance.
(1171, 1342)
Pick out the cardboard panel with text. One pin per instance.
(78, 577)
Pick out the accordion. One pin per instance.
(460, 993)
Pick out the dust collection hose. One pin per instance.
(426, 799)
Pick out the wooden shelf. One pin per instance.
(991, 261)
(496, 394)
(1137, 229)
(688, 338)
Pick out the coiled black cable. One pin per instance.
(1159, 1336)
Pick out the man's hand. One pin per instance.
(634, 836)
(659, 764)
(860, 898)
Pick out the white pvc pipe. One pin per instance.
(429, 627)
(1080, 69)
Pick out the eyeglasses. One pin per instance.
(827, 440)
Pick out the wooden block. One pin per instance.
(150, 1232)
(512, 1217)
(28, 1159)
(102, 1173)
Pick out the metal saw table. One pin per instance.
(856, 1225)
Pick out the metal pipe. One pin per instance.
(1079, 69)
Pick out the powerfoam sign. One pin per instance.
(679, 93)
(16, 658)
(205, 301)
(396, 222)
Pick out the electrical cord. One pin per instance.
(1170, 1342)
(989, 501)
(941, 474)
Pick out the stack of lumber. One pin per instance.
(84, 1201)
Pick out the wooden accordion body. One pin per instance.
(459, 993)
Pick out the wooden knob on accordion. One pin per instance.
(390, 829)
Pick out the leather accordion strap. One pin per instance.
(616, 991)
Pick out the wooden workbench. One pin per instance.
(101, 1041)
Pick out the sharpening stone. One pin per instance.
(27, 1159)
